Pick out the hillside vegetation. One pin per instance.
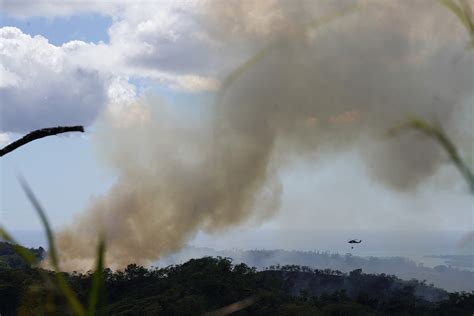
(208, 284)
(449, 276)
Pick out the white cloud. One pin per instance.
(158, 41)
(7, 78)
(4, 139)
(43, 86)
(121, 91)
(165, 37)
(124, 107)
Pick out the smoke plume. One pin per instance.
(306, 84)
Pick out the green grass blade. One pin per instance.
(63, 285)
(98, 279)
(44, 221)
(464, 13)
(457, 10)
(437, 133)
(460, 11)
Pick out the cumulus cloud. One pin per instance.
(158, 40)
(4, 139)
(41, 86)
(164, 41)
(123, 108)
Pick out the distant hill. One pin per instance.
(9, 258)
(444, 276)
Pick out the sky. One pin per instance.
(76, 62)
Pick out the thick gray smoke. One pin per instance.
(313, 87)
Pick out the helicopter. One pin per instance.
(354, 241)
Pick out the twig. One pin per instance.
(40, 133)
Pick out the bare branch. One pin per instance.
(40, 133)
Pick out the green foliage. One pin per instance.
(212, 284)
(10, 258)
(20, 255)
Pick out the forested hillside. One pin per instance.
(9, 257)
(450, 276)
(209, 284)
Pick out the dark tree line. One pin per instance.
(200, 286)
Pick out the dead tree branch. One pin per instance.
(40, 133)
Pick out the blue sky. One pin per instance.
(59, 30)
(112, 58)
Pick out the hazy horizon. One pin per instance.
(381, 243)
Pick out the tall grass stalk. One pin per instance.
(97, 279)
(436, 132)
(463, 10)
(63, 285)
